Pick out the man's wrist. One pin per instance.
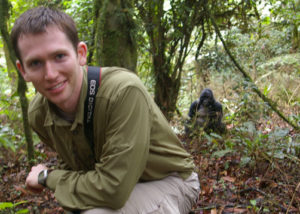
(42, 177)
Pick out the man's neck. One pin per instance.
(70, 117)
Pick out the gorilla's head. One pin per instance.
(206, 97)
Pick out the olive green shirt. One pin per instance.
(133, 142)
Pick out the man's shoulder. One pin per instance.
(116, 78)
(118, 74)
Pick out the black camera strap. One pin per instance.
(94, 80)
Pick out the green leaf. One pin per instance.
(281, 133)
(266, 20)
(215, 135)
(20, 202)
(22, 211)
(253, 202)
(250, 127)
(4, 205)
(245, 161)
(267, 89)
(222, 153)
(277, 154)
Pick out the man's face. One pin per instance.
(50, 62)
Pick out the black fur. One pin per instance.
(205, 113)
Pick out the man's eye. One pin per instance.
(35, 63)
(60, 56)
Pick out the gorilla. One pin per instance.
(205, 113)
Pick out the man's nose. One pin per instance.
(50, 71)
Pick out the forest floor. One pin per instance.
(226, 187)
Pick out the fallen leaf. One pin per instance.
(21, 189)
(228, 178)
(236, 210)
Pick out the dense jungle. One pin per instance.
(246, 51)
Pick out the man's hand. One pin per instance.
(32, 179)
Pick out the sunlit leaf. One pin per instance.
(4, 205)
(22, 211)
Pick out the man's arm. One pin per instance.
(122, 162)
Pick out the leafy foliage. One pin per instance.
(8, 207)
(254, 166)
(82, 13)
(248, 169)
(10, 116)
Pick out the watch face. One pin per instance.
(42, 177)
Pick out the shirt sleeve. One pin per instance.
(123, 159)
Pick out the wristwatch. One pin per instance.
(43, 177)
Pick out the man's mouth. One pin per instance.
(59, 85)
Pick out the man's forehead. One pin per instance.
(32, 45)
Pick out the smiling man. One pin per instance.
(136, 164)
(53, 65)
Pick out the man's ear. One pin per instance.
(21, 70)
(82, 53)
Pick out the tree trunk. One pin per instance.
(115, 34)
(4, 15)
(169, 47)
(10, 68)
(166, 89)
(295, 35)
(296, 40)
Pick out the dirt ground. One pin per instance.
(225, 186)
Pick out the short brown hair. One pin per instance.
(36, 20)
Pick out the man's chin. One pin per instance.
(56, 101)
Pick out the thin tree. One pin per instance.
(245, 74)
(22, 87)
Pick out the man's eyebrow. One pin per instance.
(58, 51)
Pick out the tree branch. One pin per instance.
(246, 75)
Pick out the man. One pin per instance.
(137, 164)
